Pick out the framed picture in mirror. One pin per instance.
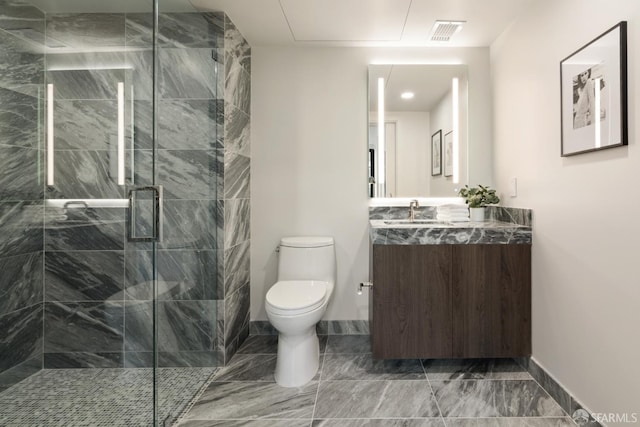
(448, 153)
(436, 153)
(593, 86)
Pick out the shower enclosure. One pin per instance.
(124, 208)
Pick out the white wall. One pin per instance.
(308, 151)
(412, 152)
(586, 285)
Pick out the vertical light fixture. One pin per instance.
(456, 129)
(120, 133)
(50, 135)
(381, 134)
(596, 112)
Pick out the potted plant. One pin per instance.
(477, 198)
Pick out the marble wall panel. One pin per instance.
(184, 359)
(21, 281)
(20, 336)
(93, 327)
(84, 229)
(138, 327)
(18, 119)
(236, 176)
(236, 267)
(22, 173)
(238, 90)
(187, 73)
(142, 125)
(140, 76)
(236, 222)
(182, 275)
(85, 84)
(85, 174)
(20, 15)
(19, 372)
(21, 228)
(87, 30)
(176, 30)
(86, 125)
(22, 63)
(236, 311)
(187, 124)
(188, 174)
(82, 359)
(84, 276)
(186, 326)
(189, 224)
(237, 131)
(237, 51)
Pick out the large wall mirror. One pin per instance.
(418, 130)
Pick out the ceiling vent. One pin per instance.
(442, 31)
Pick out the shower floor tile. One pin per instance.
(99, 397)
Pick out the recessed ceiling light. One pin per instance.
(407, 95)
(442, 31)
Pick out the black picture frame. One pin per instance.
(436, 153)
(448, 154)
(593, 94)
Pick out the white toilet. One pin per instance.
(297, 301)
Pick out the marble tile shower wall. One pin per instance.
(98, 310)
(21, 192)
(236, 196)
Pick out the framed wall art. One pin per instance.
(448, 154)
(436, 153)
(593, 85)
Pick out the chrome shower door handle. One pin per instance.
(144, 223)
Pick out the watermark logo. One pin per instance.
(581, 417)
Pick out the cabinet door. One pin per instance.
(411, 301)
(491, 300)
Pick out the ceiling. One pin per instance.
(365, 22)
(332, 22)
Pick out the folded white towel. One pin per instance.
(452, 211)
(452, 206)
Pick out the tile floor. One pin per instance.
(99, 397)
(353, 390)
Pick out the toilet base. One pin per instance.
(298, 358)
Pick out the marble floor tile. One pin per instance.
(470, 369)
(375, 399)
(510, 422)
(268, 344)
(494, 398)
(386, 422)
(259, 344)
(349, 344)
(253, 400)
(249, 367)
(345, 366)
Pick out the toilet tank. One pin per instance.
(307, 258)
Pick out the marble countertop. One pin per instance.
(390, 232)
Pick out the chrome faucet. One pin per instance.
(412, 209)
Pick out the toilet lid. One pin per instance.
(297, 295)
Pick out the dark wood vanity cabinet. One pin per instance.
(450, 301)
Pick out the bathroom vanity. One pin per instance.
(450, 290)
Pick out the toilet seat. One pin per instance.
(292, 297)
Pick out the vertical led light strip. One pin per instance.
(456, 130)
(596, 113)
(50, 135)
(381, 134)
(120, 133)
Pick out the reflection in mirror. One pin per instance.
(408, 104)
